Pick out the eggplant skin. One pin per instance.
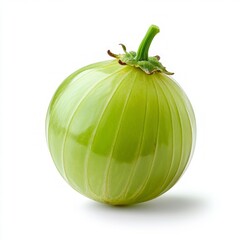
(118, 135)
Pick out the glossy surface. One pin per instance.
(118, 135)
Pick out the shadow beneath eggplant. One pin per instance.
(166, 206)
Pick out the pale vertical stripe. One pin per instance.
(192, 122)
(91, 141)
(72, 117)
(182, 140)
(109, 160)
(135, 161)
(191, 129)
(158, 191)
(143, 187)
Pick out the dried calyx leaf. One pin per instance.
(140, 58)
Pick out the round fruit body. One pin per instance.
(118, 135)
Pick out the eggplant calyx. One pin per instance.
(140, 59)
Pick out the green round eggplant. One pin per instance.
(121, 131)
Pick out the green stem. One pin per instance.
(142, 53)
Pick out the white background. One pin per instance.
(42, 42)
